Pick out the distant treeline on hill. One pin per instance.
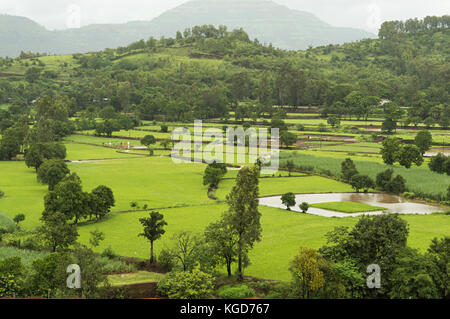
(414, 26)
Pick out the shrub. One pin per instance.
(193, 284)
(348, 169)
(304, 207)
(109, 253)
(115, 266)
(363, 182)
(7, 224)
(166, 260)
(396, 186)
(2, 193)
(440, 164)
(280, 291)
(235, 292)
(383, 178)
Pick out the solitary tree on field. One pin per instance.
(304, 207)
(288, 200)
(148, 141)
(153, 230)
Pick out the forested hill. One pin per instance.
(207, 72)
(262, 19)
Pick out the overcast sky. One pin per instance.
(366, 14)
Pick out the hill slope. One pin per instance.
(264, 20)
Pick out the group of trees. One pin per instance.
(194, 258)
(289, 201)
(385, 181)
(351, 175)
(440, 164)
(47, 276)
(338, 270)
(66, 204)
(405, 154)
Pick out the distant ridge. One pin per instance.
(261, 19)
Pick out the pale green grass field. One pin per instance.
(348, 207)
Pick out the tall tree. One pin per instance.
(243, 215)
(153, 230)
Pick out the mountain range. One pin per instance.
(262, 19)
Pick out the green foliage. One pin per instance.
(410, 278)
(304, 207)
(387, 182)
(222, 242)
(212, 176)
(440, 164)
(57, 233)
(306, 272)
(96, 237)
(38, 153)
(243, 215)
(193, 284)
(288, 200)
(423, 140)
(148, 141)
(439, 256)
(68, 199)
(6, 224)
(8, 285)
(288, 138)
(361, 182)
(153, 229)
(373, 240)
(409, 154)
(334, 122)
(389, 150)
(235, 292)
(102, 199)
(51, 172)
(348, 169)
(49, 273)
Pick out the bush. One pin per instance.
(187, 285)
(304, 207)
(166, 260)
(115, 266)
(280, 291)
(109, 253)
(7, 224)
(2, 193)
(235, 292)
(396, 186)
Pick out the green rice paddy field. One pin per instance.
(177, 191)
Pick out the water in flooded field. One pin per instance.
(392, 203)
